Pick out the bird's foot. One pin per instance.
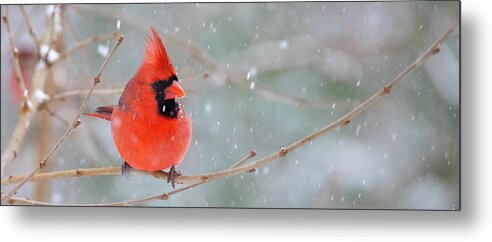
(125, 170)
(171, 175)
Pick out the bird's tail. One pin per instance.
(103, 112)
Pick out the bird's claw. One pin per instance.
(171, 175)
(125, 169)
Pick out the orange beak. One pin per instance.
(174, 91)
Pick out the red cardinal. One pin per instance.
(149, 126)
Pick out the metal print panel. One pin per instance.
(331, 105)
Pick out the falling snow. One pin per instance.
(208, 108)
(284, 44)
(39, 95)
(357, 131)
(252, 85)
(52, 54)
(103, 50)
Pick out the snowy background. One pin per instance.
(401, 153)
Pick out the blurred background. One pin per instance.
(258, 76)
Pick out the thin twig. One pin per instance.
(240, 162)
(27, 201)
(30, 29)
(23, 123)
(97, 78)
(109, 91)
(81, 92)
(18, 71)
(164, 196)
(71, 128)
(344, 120)
(51, 29)
(17, 31)
(83, 44)
(45, 176)
(48, 110)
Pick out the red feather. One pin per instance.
(156, 64)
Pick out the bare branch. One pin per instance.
(81, 92)
(84, 43)
(71, 128)
(27, 201)
(109, 91)
(97, 78)
(53, 114)
(18, 71)
(51, 29)
(240, 162)
(30, 29)
(45, 176)
(164, 196)
(11, 150)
